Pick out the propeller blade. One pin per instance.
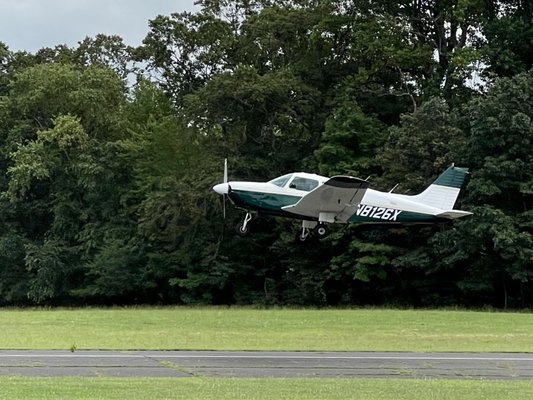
(225, 181)
(225, 170)
(224, 206)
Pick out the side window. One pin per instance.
(304, 184)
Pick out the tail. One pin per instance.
(444, 191)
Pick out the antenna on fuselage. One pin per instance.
(395, 186)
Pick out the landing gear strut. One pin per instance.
(303, 235)
(243, 228)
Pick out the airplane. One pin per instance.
(318, 201)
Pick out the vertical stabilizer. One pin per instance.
(444, 191)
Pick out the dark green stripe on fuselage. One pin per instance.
(268, 203)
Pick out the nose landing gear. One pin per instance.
(243, 228)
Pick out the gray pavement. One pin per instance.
(266, 364)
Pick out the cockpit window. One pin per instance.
(304, 184)
(281, 181)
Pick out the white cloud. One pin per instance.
(33, 24)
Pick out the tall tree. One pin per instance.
(509, 34)
(489, 255)
(425, 143)
(104, 50)
(63, 177)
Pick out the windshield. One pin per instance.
(281, 181)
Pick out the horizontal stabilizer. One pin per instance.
(453, 214)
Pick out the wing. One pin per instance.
(337, 199)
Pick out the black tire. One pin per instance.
(241, 230)
(321, 231)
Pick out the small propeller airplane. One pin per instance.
(319, 201)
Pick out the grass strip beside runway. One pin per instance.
(14, 388)
(214, 328)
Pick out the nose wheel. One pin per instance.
(243, 228)
(303, 235)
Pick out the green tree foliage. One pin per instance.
(63, 180)
(489, 254)
(350, 142)
(171, 198)
(106, 182)
(14, 277)
(253, 114)
(509, 33)
(500, 153)
(425, 143)
(103, 50)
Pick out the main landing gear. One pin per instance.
(311, 229)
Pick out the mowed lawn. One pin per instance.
(259, 389)
(266, 329)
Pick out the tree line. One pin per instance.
(108, 154)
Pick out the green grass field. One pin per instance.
(259, 389)
(260, 329)
(270, 329)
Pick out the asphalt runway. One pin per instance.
(266, 364)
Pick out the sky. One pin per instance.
(29, 25)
